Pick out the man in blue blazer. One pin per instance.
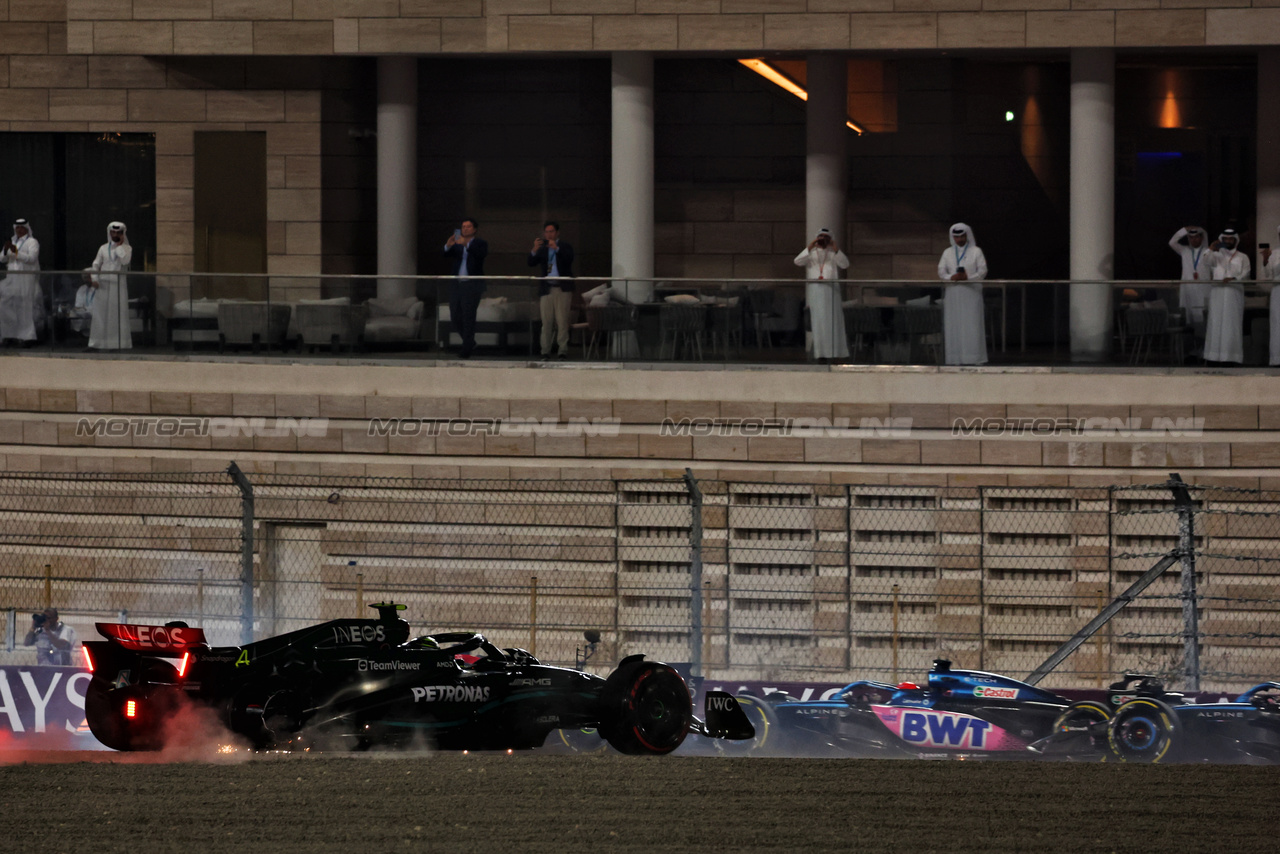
(466, 252)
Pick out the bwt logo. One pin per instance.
(218, 428)
(1096, 426)
(939, 729)
(513, 427)
(893, 428)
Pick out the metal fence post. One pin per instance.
(1190, 605)
(695, 579)
(246, 552)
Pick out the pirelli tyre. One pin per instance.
(646, 708)
(765, 721)
(1143, 730)
(584, 740)
(130, 717)
(1079, 716)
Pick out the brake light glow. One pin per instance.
(131, 709)
(88, 659)
(182, 665)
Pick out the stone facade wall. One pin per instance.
(1235, 443)
(371, 27)
(43, 87)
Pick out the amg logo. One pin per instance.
(451, 694)
(521, 682)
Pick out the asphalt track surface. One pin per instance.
(57, 801)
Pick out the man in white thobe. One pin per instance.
(1197, 259)
(21, 300)
(824, 294)
(1270, 272)
(110, 327)
(962, 268)
(1224, 318)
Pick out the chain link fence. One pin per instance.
(764, 581)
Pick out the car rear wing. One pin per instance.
(170, 640)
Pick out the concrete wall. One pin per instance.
(1237, 442)
(371, 27)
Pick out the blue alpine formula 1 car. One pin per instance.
(971, 713)
(1151, 729)
(956, 712)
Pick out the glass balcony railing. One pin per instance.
(760, 321)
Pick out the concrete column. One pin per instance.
(826, 165)
(1093, 203)
(1268, 215)
(633, 171)
(397, 174)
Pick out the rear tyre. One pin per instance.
(1143, 730)
(584, 740)
(104, 709)
(1080, 715)
(764, 720)
(647, 709)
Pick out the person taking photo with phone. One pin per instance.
(466, 252)
(554, 259)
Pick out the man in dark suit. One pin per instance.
(466, 253)
(554, 258)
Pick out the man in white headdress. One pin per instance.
(1270, 271)
(1224, 318)
(1197, 260)
(109, 329)
(21, 300)
(962, 268)
(822, 261)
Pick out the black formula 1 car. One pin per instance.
(360, 683)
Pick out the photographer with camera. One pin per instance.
(824, 296)
(51, 637)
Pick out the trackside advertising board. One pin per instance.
(44, 704)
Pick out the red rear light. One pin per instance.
(131, 709)
(182, 665)
(88, 659)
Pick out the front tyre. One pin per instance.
(1143, 730)
(647, 709)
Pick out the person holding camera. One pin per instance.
(962, 269)
(110, 328)
(21, 300)
(466, 253)
(554, 258)
(1224, 318)
(824, 295)
(51, 637)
